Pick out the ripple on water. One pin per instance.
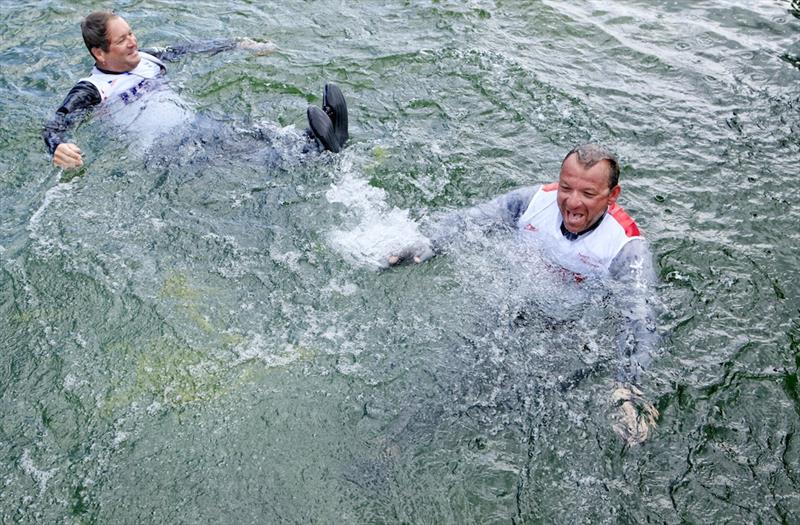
(219, 307)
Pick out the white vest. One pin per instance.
(130, 84)
(591, 253)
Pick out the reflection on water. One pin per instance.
(207, 332)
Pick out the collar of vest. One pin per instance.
(142, 55)
(107, 72)
(575, 236)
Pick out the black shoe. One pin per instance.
(322, 127)
(334, 105)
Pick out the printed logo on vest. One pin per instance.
(588, 260)
(131, 94)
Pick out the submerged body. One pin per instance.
(130, 85)
(578, 227)
(612, 249)
(139, 102)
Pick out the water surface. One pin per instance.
(199, 332)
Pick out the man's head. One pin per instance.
(110, 41)
(587, 185)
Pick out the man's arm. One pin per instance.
(633, 271)
(211, 47)
(81, 98)
(502, 212)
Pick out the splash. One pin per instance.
(55, 193)
(41, 477)
(376, 229)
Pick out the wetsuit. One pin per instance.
(612, 248)
(105, 86)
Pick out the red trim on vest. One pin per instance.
(550, 187)
(624, 220)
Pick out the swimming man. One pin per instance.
(580, 228)
(123, 76)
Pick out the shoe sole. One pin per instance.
(322, 127)
(333, 102)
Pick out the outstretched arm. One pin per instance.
(632, 269)
(212, 47)
(501, 212)
(81, 98)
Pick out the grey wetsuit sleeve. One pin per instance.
(501, 212)
(633, 271)
(172, 53)
(81, 98)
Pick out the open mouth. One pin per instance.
(574, 217)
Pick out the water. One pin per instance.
(202, 333)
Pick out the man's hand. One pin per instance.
(417, 253)
(257, 48)
(635, 415)
(67, 156)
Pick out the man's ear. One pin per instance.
(612, 198)
(97, 53)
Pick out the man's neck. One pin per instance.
(571, 236)
(109, 72)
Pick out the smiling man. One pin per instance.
(115, 47)
(123, 76)
(576, 221)
(585, 234)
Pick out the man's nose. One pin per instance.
(573, 199)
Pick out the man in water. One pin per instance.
(580, 228)
(123, 75)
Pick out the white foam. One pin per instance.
(346, 288)
(71, 383)
(41, 477)
(57, 192)
(258, 348)
(119, 438)
(290, 258)
(377, 230)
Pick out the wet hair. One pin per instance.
(94, 30)
(590, 154)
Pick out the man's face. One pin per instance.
(584, 195)
(123, 52)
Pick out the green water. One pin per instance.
(200, 334)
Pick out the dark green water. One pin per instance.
(199, 333)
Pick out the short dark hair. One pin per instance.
(94, 30)
(590, 154)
